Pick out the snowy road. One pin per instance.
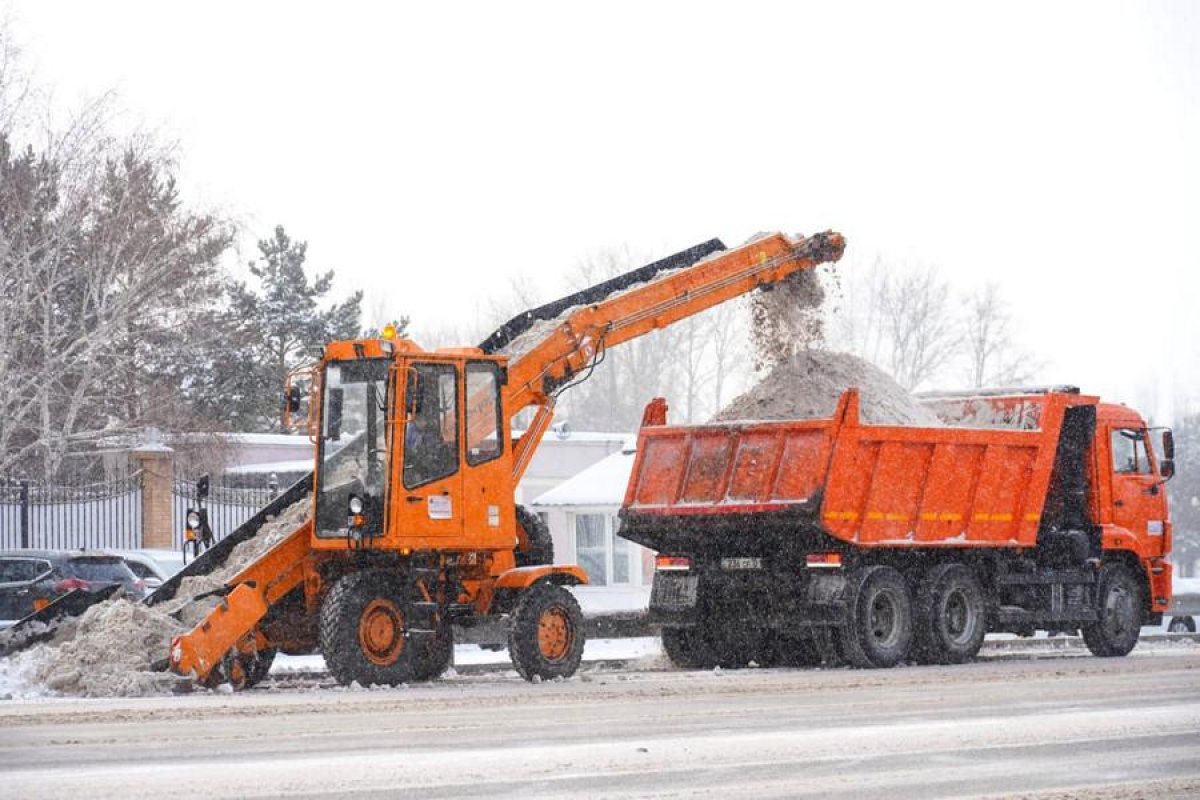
(1056, 726)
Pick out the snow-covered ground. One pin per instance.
(1045, 727)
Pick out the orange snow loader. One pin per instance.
(413, 528)
(830, 540)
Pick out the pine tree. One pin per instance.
(273, 328)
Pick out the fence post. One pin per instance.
(156, 463)
(25, 514)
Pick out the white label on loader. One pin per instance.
(1154, 527)
(439, 506)
(493, 516)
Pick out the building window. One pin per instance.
(600, 551)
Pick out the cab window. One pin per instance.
(1129, 452)
(483, 413)
(431, 430)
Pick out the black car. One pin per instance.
(31, 579)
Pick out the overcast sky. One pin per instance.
(429, 151)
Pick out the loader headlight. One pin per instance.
(193, 519)
(356, 504)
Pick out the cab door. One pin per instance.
(429, 491)
(1139, 504)
(487, 482)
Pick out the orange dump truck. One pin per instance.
(833, 540)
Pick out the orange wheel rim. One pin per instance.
(381, 632)
(237, 673)
(555, 634)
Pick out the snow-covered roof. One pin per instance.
(559, 433)
(601, 484)
(304, 465)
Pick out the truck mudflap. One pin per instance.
(685, 598)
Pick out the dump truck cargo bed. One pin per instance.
(866, 485)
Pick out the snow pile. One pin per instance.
(111, 648)
(107, 651)
(808, 385)
(803, 381)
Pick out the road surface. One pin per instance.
(1046, 726)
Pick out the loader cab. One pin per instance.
(414, 453)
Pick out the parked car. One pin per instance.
(32, 579)
(154, 567)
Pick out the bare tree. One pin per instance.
(993, 358)
(100, 268)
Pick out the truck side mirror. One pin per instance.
(291, 401)
(1166, 466)
(333, 425)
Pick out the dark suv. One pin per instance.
(30, 579)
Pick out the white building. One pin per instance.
(582, 515)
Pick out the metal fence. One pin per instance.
(107, 514)
(228, 506)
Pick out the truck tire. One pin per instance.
(949, 616)
(1121, 607)
(1181, 625)
(878, 626)
(688, 648)
(363, 631)
(545, 636)
(540, 549)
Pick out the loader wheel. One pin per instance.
(877, 630)
(364, 635)
(948, 616)
(540, 548)
(688, 648)
(1121, 610)
(435, 655)
(545, 637)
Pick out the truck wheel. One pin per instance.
(435, 655)
(364, 633)
(1121, 611)
(878, 627)
(1182, 625)
(540, 549)
(687, 648)
(948, 616)
(545, 638)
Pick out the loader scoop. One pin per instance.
(41, 625)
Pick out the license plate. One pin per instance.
(741, 563)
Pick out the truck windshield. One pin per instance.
(353, 444)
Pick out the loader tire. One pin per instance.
(540, 547)
(877, 629)
(688, 648)
(436, 655)
(545, 636)
(364, 635)
(949, 616)
(1122, 609)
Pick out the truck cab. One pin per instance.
(1128, 499)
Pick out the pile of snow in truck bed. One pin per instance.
(112, 647)
(809, 383)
